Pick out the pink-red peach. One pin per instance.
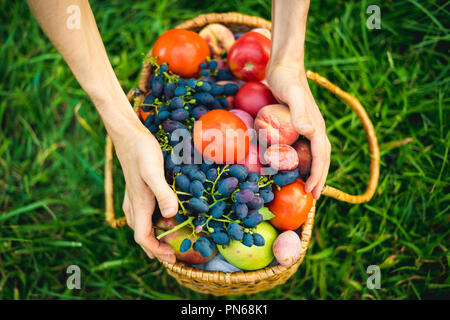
(286, 248)
(275, 121)
(219, 38)
(281, 157)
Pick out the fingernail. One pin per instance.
(167, 211)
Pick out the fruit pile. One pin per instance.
(230, 151)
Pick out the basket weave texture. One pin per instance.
(246, 282)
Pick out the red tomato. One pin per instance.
(183, 50)
(290, 206)
(221, 136)
(281, 157)
(253, 96)
(248, 57)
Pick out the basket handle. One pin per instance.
(371, 138)
(327, 191)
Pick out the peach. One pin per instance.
(219, 38)
(263, 31)
(286, 248)
(275, 121)
(303, 148)
(281, 157)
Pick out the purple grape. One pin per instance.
(253, 177)
(197, 112)
(249, 185)
(188, 168)
(244, 196)
(205, 86)
(204, 246)
(235, 231)
(230, 89)
(211, 174)
(179, 114)
(258, 240)
(180, 217)
(253, 219)
(266, 195)
(163, 115)
(198, 205)
(247, 239)
(224, 75)
(213, 64)
(180, 90)
(157, 86)
(221, 238)
(218, 209)
(176, 103)
(185, 245)
(256, 203)
(240, 209)
(227, 186)
(283, 178)
(182, 181)
(169, 90)
(196, 188)
(197, 175)
(239, 171)
(217, 89)
(171, 125)
(149, 99)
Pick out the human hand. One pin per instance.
(143, 166)
(290, 86)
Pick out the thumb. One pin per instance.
(166, 198)
(297, 102)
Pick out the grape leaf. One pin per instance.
(266, 213)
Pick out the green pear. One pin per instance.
(254, 257)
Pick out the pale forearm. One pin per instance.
(288, 32)
(82, 48)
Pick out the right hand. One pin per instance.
(143, 166)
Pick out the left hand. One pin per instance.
(290, 86)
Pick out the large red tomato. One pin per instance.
(221, 136)
(290, 206)
(253, 96)
(183, 50)
(248, 57)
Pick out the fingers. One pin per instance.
(298, 102)
(167, 200)
(320, 149)
(126, 207)
(144, 234)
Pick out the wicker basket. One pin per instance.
(221, 283)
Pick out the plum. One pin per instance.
(275, 121)
(219, 38)
(286, 248)
(303, 148)
(175, 238)
(254, 257)
(281, 157)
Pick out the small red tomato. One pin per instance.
(281, 157)
(221, 136)
(183, 50)
(253, 96)
(290, 205)
(248, 57)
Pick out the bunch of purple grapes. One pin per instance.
(176, 102)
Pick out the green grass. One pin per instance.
(51, 167)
